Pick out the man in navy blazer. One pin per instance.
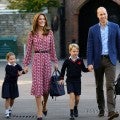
(103, 50)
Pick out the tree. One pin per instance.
(32, 5)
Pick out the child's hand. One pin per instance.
(61, 82)
(25, 69)
(19, 73)
(90, 68)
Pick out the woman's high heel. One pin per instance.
(45, 113)
(40, 118)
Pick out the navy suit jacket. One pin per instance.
(94, 44)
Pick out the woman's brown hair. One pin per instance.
(46, 28)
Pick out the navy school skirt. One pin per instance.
(10, 90)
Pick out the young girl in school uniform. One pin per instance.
(10, 86)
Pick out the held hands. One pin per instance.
(19, 73)
(26, 69)
(90, 68)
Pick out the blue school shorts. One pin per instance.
(74, 86)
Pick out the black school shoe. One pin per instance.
(72, 118)
(72, 114)
(75, 111)
(7, 115)
(101, 113)
(10, 113)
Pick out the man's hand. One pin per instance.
(26, 69)
(90, 68)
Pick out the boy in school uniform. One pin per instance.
(73, 67)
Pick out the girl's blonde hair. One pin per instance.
(73, 45)
(46, 28)
(9, 54)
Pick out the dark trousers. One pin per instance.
(109, 70)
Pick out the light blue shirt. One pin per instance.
(104, 39)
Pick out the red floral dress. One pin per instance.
(41, 62)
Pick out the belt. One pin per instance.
(44, 51)
(104, 56)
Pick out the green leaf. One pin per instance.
(32, 5)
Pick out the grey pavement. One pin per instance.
(25, 107)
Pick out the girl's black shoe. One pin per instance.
(10, 112)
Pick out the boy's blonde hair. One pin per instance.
(73, 45)
(9, 54)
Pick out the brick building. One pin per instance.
(74, 18)
(78, 15)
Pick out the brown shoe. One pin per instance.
(112, 115)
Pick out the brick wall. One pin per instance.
(16, 25)
(72, 12)
(19, 25)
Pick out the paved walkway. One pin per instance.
(25, 108)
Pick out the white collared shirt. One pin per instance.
(12, 64)
(73, 59)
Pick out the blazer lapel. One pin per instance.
(109, 31)
(98, 32)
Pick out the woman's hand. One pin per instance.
(26, 69)
(19, 73)
(61, 82)
(56, 66)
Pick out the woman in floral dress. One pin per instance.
(41, 43)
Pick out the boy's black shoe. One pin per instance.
(72, 114)
(75, 111)
(101, 113)
(72, 118)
